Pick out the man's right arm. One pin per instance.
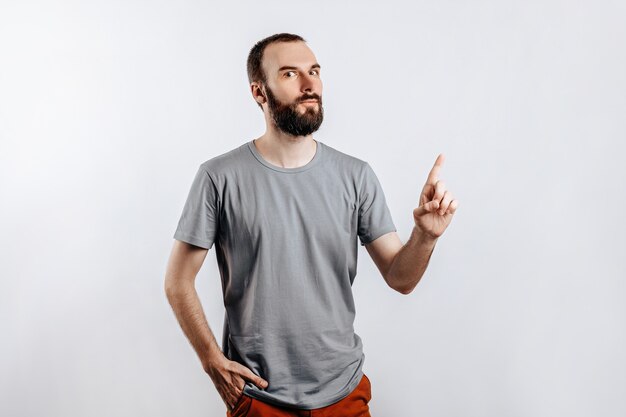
(183, 266)
(228, 376)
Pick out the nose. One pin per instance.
(309, 84)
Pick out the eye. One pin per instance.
(288, 72)
(316, 72)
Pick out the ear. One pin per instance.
(257, 93)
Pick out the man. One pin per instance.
(284, 211)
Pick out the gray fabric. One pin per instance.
(286, 246)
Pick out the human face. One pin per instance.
(290, 120)
(293, 88)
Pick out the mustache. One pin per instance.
(310, 97)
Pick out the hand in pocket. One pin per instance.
(229, 378)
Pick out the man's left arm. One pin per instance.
(403, 265)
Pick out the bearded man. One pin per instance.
(286, 213)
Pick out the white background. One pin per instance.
(108, 107)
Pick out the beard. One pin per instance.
(289, 120)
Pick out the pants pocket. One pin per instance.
(241, 408)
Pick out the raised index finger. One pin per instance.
(433, 175)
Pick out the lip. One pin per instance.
(309, 101)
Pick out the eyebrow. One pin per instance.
(284, 67)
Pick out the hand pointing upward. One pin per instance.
(437, 205)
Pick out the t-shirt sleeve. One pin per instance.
(199, 221)
(374, 216)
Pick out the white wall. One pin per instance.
(108, 107)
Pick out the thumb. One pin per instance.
(257, 380)
(426, 208)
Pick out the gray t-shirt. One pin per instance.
(286, 247)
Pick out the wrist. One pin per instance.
(422, 238)
(213, 358)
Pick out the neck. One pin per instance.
(285, 151)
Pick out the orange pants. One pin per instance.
(354, 405)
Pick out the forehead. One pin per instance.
(278, 54)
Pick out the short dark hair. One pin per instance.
(255, 57)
